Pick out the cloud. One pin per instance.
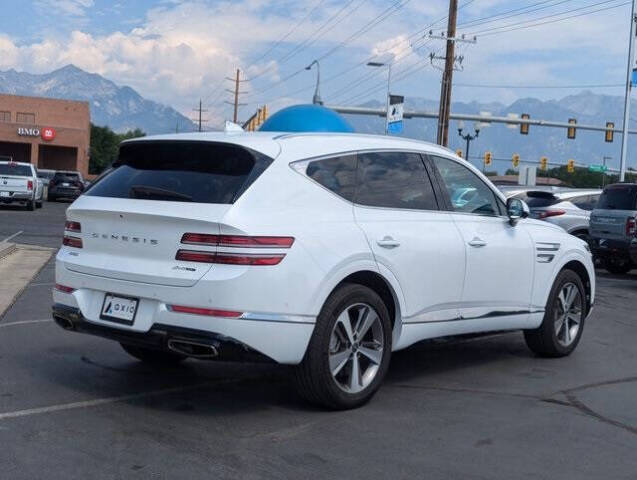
(67, 7)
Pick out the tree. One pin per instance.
(105, 145)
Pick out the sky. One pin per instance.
(177, 52)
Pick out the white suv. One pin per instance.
(325, 251)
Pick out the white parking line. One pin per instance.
(25, 322)
(11, 237)
(108, 400)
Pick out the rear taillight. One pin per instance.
(64, 288)
(74, 242)
(52, 183)
(550, 213)
(233, 241)
(204, 311)
(237, 240)
(29, 184)
(631, 227)
(74, 227)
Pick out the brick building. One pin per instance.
(49, 133)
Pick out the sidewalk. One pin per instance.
(18, 265)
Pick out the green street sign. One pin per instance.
(597, 168)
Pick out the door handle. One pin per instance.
(388, 242)
(477, 242)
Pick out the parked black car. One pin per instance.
(65, 184)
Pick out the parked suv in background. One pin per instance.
(613, 228)
(19, 183)
(569, 209)
(324, 251)
(65, 184)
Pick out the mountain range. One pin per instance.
(119, 107)
(122, 108)
(587, 148)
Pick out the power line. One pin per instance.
(549, 87)
(521, 25)
(512, 13)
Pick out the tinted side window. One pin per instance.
(394, 180)
(467, 192)
(336, 174)
(585, 202)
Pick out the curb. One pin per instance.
(6, 249)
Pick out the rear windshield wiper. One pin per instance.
(144, 192)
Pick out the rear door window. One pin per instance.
(585, 202)
(337, 174)
(394, 180)
(181, 171)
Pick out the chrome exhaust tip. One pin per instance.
(193, 349)
(65, 323)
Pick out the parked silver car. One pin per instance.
(570, 209)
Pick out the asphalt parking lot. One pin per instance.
(74, 406)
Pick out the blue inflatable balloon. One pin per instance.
(306, 118)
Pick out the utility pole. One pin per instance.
(201, 121)
(629, 69)
(447, 77)
(237, 81)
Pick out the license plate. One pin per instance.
(4, 194)
(64, 184)
(119, 309)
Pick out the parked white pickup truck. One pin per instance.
(19, 183)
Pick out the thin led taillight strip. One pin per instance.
(64, 288)
(210, 312)
(236, 240)
(228, 258)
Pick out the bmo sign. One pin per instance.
(47, 133)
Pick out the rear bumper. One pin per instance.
(64, 192)
(159, 337)
(248, 338)
(602, 248)
(18, 197)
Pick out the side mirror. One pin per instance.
(516, 209)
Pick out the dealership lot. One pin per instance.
(75, 406)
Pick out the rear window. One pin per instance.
(538, 199)
(201, 172)
(73, 177)
(14, 169)
(618, 197)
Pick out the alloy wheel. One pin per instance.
(568, 314)
(356, 347)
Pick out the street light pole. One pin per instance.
(316, 100)
(629, 68)
(467, 137)
(382, 64)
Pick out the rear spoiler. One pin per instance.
(541, 194)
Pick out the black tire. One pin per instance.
(155, 357)
(544, 340)
(618, 265)
(51, 198)
(31, 205)
(38, 204)
(313, 376)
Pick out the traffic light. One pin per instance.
(516, 160)
(570, 131)
(524, 127)
(570, 167)
(544, 163)
(609, 132)
(487, 159)
(459, 153)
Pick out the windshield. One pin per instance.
(181, 171)
(15, 169)
(618, 197)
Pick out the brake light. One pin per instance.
(74, 227)
(64, 288)
(74, 242)
(551, 213)
(210, 312)
(29, 184)
(631, 227)
(228, 258)
(237, 240)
